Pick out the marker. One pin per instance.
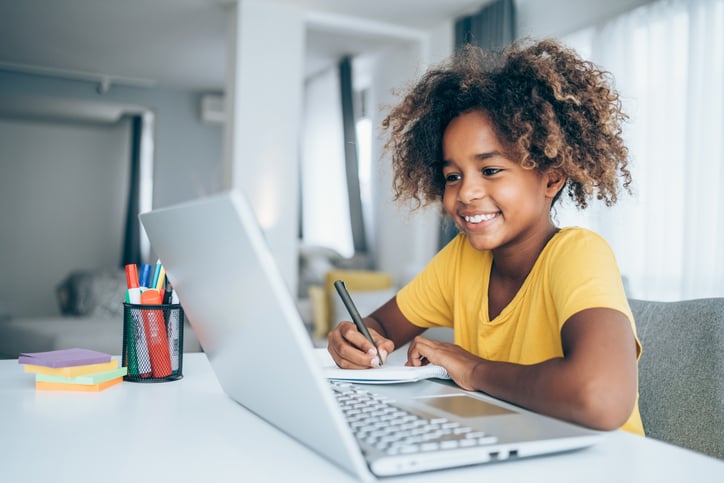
(347, 300)
(161, 278)
(157, 276)
(151, 297)
(131, 275)
(155, 331)
(133, 294)
(137, 347)
(144, 279)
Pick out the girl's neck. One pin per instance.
(510, 268)
(514, 262)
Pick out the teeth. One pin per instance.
(478, 218)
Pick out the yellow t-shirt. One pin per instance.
(575, 271)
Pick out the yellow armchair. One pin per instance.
(367, 286)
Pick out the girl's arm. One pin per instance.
(388, 328)
(593, 384)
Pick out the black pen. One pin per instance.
(168, 292)
(347, 301)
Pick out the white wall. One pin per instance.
(187, 164)
(264, 90)
(63, 193)
(265, 99)
(406, 238)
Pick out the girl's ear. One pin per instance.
(555, 180)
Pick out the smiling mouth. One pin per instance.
(479, 218)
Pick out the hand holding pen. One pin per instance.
(356, 318)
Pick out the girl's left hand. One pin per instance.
(459, 363)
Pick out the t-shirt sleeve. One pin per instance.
(588, 277)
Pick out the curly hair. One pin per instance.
(550, 110)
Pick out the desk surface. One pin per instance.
(189, 430)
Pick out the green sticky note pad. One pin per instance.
(93, 378)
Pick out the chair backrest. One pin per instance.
(369, 289)
(681, 372)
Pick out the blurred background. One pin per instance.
(108, 109)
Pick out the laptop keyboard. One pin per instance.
(376, 422)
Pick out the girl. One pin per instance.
(539, 313)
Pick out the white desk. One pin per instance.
(189, 430)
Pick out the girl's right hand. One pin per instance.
(351, 350)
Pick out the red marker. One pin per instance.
(131, 275)
(155, 329)
(133, 294)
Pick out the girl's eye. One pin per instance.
(491, 171)
(452, 177)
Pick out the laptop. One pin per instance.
(241, 310)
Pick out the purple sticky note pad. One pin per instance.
(64, 358)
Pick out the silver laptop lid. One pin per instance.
(244, 316)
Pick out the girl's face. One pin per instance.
(491, 198)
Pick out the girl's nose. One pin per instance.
(470, 189)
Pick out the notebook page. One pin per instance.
(393, 371)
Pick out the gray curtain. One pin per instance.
(349, 119)
(132, 236)
(492, 28)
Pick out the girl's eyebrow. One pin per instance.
(488, 155)
(480, 157)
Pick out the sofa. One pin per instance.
(91, 317)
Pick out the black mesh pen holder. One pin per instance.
(153, 340)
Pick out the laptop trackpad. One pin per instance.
(464, 406)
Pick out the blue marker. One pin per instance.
(144, 278)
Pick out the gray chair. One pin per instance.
(681, 372)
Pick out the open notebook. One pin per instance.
(392, 372)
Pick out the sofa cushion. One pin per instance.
(92, 293)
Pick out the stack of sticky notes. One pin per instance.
(72, 370)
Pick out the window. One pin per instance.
(325, 204)
(667, 59)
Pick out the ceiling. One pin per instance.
(177, 43)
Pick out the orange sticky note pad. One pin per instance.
(62, 386)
